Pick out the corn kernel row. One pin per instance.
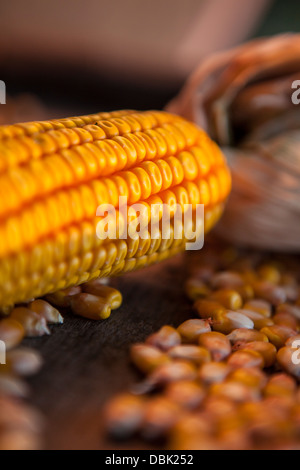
(55, 174)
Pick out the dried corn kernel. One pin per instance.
(111, 296)
(11, 332)
(190, 330)
(90, 306)
(146, 357)
(166, 338)
(228, 298)
(217, 344)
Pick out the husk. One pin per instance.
(243, 98)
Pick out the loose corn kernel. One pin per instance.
(124, 415)
(228, 298)
(185, 393)
(46, 310)
(293, 310)
(243, 335)
(208, 308)
(259, 320)
(250, 376)
(11, 332)
(278, 335)
(12, 386)
(160, 415)
(23, 361)
(90, 306)
(190, 330)
(33, 324)
(246, 358)
(281, 385)
(267, 350)
(269, 273)
(146, 358)
(166, 338)
(270, 292)
(62, 298)
(234, 391)
(217, 344)
(260, 306)
(286, 319)
(165, 374)
(192, 353)
(245, 291)
(227, 321)
(213, 372)
(111, 296)
(226, 279)
(194, 288)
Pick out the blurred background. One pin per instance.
(80, 56)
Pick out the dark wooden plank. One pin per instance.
(87, 362)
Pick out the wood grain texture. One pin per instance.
(86, 362)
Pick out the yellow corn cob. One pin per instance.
(54, 175)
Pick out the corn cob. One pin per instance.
(54, 174)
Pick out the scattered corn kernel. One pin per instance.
(146, 357)
(228, 321)
(33, 324)
(190, 330)
(226, 279)
(23, 361)
(246, 358)
(270, 292)
(187, 394)
(260, 306)
(195, 288)
(62, 298)
(11, 332)
(208, 308)
(234, 391)
(90, 306)
(160, 415)
(217, 344)
(251, 376)
(286, 319)
(193, 353)
(229, 298)
(242, 335)
(278, 335)
(43, 308)
(124, 415)
(259, 320)
(166, 338)
(111, 296)
(267, 350)
(213, 372)
(280, 385)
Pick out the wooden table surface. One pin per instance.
(86, 362)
